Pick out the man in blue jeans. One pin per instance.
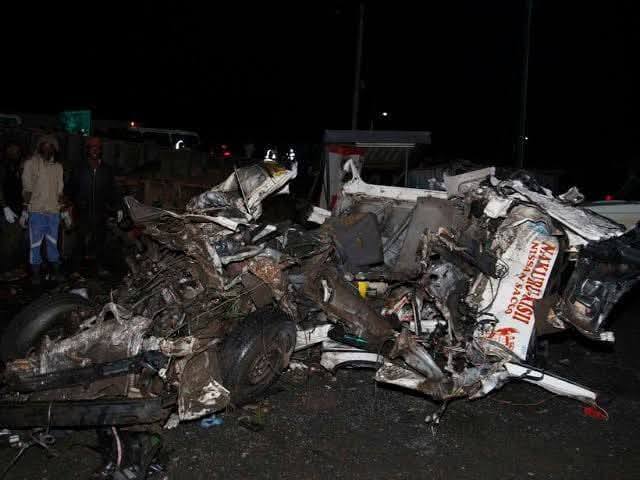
(42, 187)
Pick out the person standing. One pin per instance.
(10, 185)
(95, 195)
(42, 189)
(11, 204)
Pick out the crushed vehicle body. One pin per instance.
(442, 292)
(475, 275)
(181, 333)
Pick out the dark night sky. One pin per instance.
(285, 70)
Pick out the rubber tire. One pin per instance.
(34, 320)
(266, 327)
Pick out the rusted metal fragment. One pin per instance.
(342, 302)
(268, 270)
(200, 390)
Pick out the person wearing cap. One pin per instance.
(42, 188)
(94, 194)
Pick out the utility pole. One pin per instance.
(524, 91)
(355, 107)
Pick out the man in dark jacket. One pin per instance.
(11, 205)
(10, 184)
(95, 196)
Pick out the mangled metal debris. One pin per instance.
(444, 293)
(490, 278)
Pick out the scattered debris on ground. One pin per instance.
(441, 292)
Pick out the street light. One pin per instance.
(378, 116)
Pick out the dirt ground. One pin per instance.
(316, 425)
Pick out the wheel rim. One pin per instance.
(265, 365)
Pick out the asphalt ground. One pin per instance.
(317, 425)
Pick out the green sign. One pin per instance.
(78, 121)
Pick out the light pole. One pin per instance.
(524, 91)
(355, 107)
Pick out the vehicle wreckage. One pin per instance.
(443, 292)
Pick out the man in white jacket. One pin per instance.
(42, 187)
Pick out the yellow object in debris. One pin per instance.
(362, 288)
(274, 169)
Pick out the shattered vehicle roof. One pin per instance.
(444, 293)
(484, 270)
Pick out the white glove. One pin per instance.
(119, 216)
(9, 215)
(24, 219)
(66, 219)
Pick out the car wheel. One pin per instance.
(51, 315)
(255, 353)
